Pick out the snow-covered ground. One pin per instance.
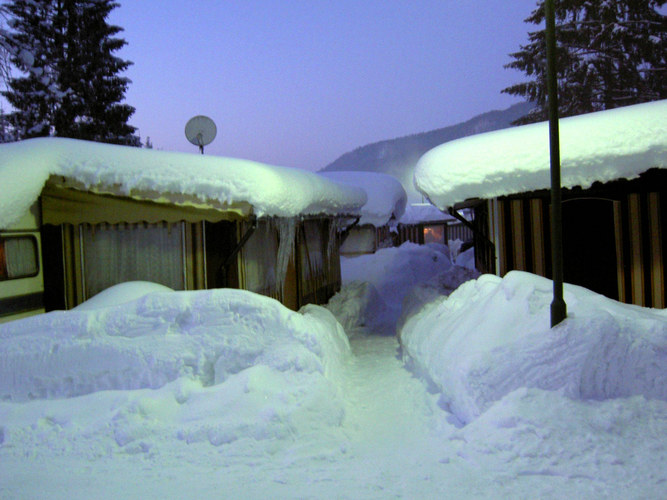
(227, 394)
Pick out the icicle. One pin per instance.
(334, 228)
(286, 233)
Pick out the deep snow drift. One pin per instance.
(492, 336)
(225, 393)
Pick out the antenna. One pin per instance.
(200, 131)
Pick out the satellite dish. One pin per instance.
(200, 131)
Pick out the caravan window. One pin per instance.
(18, 257)
(133, 252)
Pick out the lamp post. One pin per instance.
(558, 306)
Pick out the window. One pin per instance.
(434, 234)
(132, 252)
(18, 257)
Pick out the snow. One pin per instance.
(492, 336)
(225, 392)
(386, 196)
(602, 146)
(273, 191)
(416, 213)
(121, 294)
(377, 284)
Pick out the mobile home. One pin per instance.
(107, 214)
(423, 223)
(386, 204)
(614, 177)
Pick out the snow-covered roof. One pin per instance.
(602, 146)
(273, 191)
(386, 195)
(416, 213)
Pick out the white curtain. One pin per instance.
(21, 257)
(129, 252)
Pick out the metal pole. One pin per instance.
(558, 306)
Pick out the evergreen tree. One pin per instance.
(4, 46)
(6, 130)
(77, 89)
(610, 53)
(29, 45)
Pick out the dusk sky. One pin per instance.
(298, 83)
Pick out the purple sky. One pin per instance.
(298, 83)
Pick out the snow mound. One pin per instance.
(492, 336)
(121, 293)
(394, 271)
(377, 287)
(207, 336)
(358, 304)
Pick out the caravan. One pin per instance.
(100, 214)
(21, 269)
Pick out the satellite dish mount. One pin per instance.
(200, 131)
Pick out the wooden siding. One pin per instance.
(415, 232)
(644, 274)
(519, 229)
(657, 265)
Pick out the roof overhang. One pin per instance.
(68, 201)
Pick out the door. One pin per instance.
(589, 245)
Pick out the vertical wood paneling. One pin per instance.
(620, 262)
(518, 236)
(492, 226)
(197, 261)
(636, 264)
(657, 263)
(537, 229)
(501, 249)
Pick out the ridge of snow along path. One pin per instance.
(224, 393)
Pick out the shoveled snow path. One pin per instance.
(395, 428)
(384, 399)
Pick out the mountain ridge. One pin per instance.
(399, 156)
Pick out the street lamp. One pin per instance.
(558, 306)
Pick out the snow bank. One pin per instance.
(603, 146)
(275, 191)
(207, 336)
(492, 336)
(571, 448)
(121, 294)
(386, 196)
(375, 286)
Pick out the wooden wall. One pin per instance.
(415, 232)
(612, 234)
